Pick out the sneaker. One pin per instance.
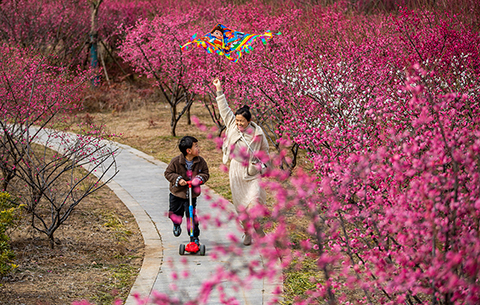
(247, 240)
(196, 240)
(177, 230)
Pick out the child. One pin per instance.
(188, 166)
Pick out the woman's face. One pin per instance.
(241, 121)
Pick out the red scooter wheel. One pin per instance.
(181, 249)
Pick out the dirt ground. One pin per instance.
(99, 254)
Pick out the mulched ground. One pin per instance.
(99, 253)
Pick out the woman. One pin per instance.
(242, 135)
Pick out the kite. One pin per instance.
(226, 42)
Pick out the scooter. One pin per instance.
(192, 246)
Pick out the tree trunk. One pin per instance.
(173, 123)
(7, 177)
(189, 119)
(94, 40)
(52, 241)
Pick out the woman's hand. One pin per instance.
(217, 84)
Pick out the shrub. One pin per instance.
(8, 215)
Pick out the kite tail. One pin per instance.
(186, 47)
(234, 58)
(246, 44)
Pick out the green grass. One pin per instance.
(122, 276)
(299, 278)
(112, 222)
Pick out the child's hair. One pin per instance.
(185, 143)
(245, 112)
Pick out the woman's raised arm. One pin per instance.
(225, 111)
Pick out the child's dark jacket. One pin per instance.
(177, 170)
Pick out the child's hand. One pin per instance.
(196, 182)
(182, 182)
(217, 84)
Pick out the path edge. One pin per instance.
(153, 256)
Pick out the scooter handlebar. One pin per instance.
(194, 182)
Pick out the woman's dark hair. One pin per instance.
(245, 112)
(185, 143)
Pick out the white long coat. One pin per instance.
(245, 188)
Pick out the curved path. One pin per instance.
(140, 184)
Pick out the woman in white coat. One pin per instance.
(242, 135)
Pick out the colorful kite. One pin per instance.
(225, 41)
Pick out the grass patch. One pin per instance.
(113, 223)
(121, 276)
(299, 278)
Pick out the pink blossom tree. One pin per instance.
(67, 28)
(52, 27)
(348, 151)
(388, 115)
(153, 49)
(49, 183)
(386, 108)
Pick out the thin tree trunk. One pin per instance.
(189, 119)
(173, 123)
(94, 39)
(104, 67)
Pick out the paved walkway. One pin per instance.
(140, 184)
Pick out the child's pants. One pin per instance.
(178, 208)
